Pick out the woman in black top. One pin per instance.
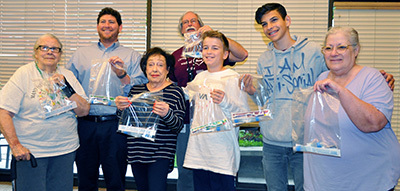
(151, 161)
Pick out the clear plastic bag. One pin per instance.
(315, 123)
(138, 120)
(263, 111)
(193, 45)
(51, 99)
(261, 98)
(207, 116)
(101, 83)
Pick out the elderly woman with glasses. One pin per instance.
(30, 131)
(152, 160)
(370, 151)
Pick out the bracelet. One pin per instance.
(123, 75)
(67, 89)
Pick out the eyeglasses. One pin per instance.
(186, 22)
(46, 49)
(339, 49)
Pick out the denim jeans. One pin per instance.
(51, 173)
(276, 161)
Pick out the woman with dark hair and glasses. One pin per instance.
(151, 161)
(370, 151)
(53, 140)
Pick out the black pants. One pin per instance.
(212, 181)
(151, 176)
(100, 144)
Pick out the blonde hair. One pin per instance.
(218, 35)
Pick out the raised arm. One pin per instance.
(83, 106)
(175, 112)
(237, 52)
(117, 66)
(69, 89)
(365, 116)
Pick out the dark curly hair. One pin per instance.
(110, 11)
(169, 59)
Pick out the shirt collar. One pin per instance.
(112, 47)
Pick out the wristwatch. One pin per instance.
(123, 75)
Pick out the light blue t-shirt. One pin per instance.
(369, 161)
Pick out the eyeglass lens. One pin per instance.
(52, 49)
(339, 49)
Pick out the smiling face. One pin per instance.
(108, 29)
(190, 23)
(275, 27)
(214, 54)
(47, 59)
(156, 69)
(340, 64)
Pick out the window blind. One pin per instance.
(379, 34)
(73, 22)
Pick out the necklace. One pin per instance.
(40, 71)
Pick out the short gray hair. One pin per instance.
(350, 32)
(180, 21)
(36, 46)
